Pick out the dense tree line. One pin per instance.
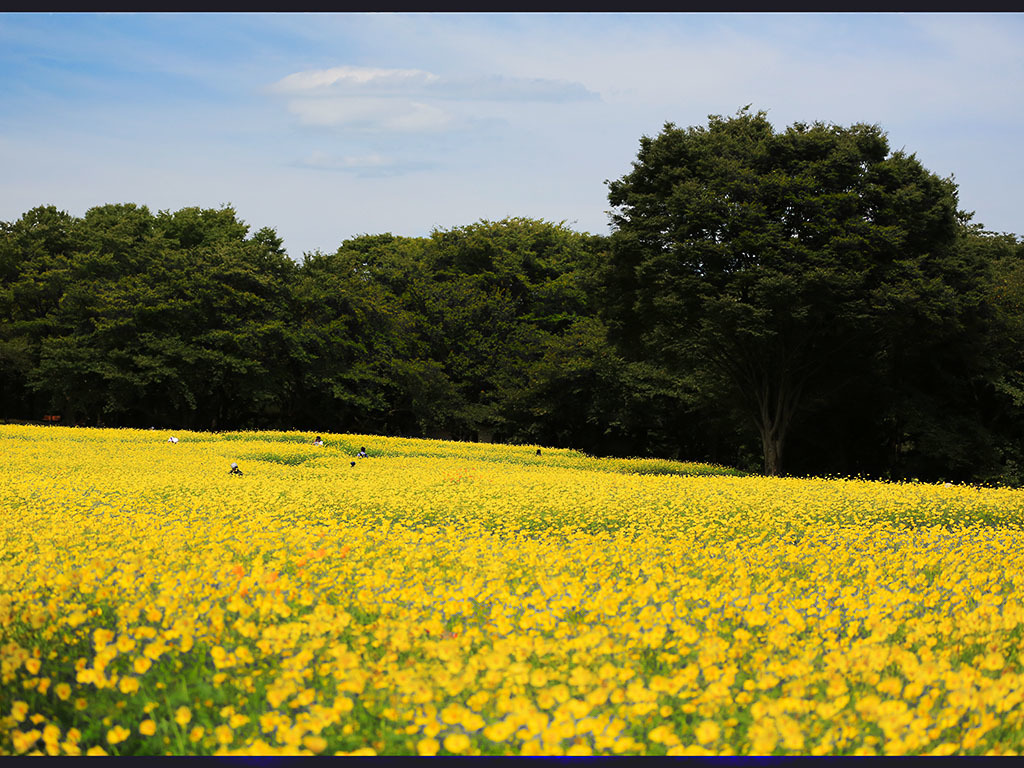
(802, 301)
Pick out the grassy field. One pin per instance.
(441, 597)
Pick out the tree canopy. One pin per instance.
(770, 270)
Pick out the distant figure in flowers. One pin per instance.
(234, 469)
(362, 453)
(318, 441)
(172, 439)
(538, 451)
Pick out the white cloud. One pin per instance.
(341, 79)
(409, 100)
(378, 82)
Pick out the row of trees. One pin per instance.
(123, 317)
(802, 301)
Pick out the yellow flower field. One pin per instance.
(442, 598)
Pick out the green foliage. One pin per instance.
(290, 459)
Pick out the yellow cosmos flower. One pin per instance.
(154, 650)
(707, 732)
(182, 716)
(427, 747)
(456, 743)
(24, 741)
(315, 744)
(546, 699)
(117, 734)
(500, 731)
(664, 735)
(33, 665)
(101, 638)
(624, 744)
(691, 750)
(196, 733)
(792, 736)
(993, 662)
(452, 714)
(147, 727)
(19, 709)
(763, 739)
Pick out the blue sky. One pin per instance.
(326, 126)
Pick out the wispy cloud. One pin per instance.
(407, 100)
(355, 80)
(417, 83)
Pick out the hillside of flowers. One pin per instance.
(454, 598)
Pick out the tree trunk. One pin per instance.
(772, 443)
(68, 413)
(777, 403)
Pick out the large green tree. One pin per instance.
(761, 267)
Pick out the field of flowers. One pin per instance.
(439, 598)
